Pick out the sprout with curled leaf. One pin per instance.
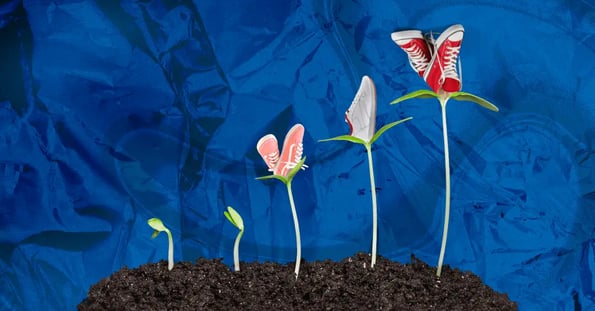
(159, 227)
(234, 217)
(361, 117)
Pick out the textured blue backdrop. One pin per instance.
(114, 113)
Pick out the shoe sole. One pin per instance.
(368, 84)
(406, 34)
(263, 139)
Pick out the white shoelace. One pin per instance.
(273, 158)
(297, 157)
(450, 60)
(416, 56)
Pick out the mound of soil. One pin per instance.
(322, 285)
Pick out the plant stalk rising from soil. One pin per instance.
(287, 181)
(443, 98)
(234, 217)
(158, 226)
(361, 117)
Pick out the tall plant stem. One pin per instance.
(170, 250)
(374, 208)
(443, 102)
(296, 224)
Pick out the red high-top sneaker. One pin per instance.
(413, 43)
(442, 72)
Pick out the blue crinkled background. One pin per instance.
(111, 113)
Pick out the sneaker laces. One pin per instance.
(450, 61)
(297, 157)
(416, 58)
(273, 158)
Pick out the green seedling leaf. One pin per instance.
(294, 170)
(155, 234)
(350, 138)
(281, 178)
(416, 94)
(386, 128)
(464, 96)
(290, 175)
(157, 225)
(234, 217)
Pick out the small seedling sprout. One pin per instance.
(158, 226)
(234, 217)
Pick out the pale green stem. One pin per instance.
(298, 243)
(236, 251)
(374, 208)
(170, 250)
(443, 102)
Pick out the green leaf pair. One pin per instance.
(459, 96)
(377, 135)
(290, 175)
(234, 217)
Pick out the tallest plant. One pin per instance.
(436, 62)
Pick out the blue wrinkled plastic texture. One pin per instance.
(114, 113)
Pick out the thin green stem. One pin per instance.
(443, 102)
(374, 208)
(170, 250)
(236, 251)
(296, 224)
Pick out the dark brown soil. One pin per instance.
(322, 285)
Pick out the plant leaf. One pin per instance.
(156, 224)
(155, 234)
(416, 94)
(294, 170)
(234, 217)
(273, 176)
(386, 128)
(290, 175)
(350, 138)
(226, 213)
(464, 96)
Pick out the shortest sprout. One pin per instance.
(158, 226)
(236, 220)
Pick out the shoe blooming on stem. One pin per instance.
(284, 168)
(361, 117)
(443, 78)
